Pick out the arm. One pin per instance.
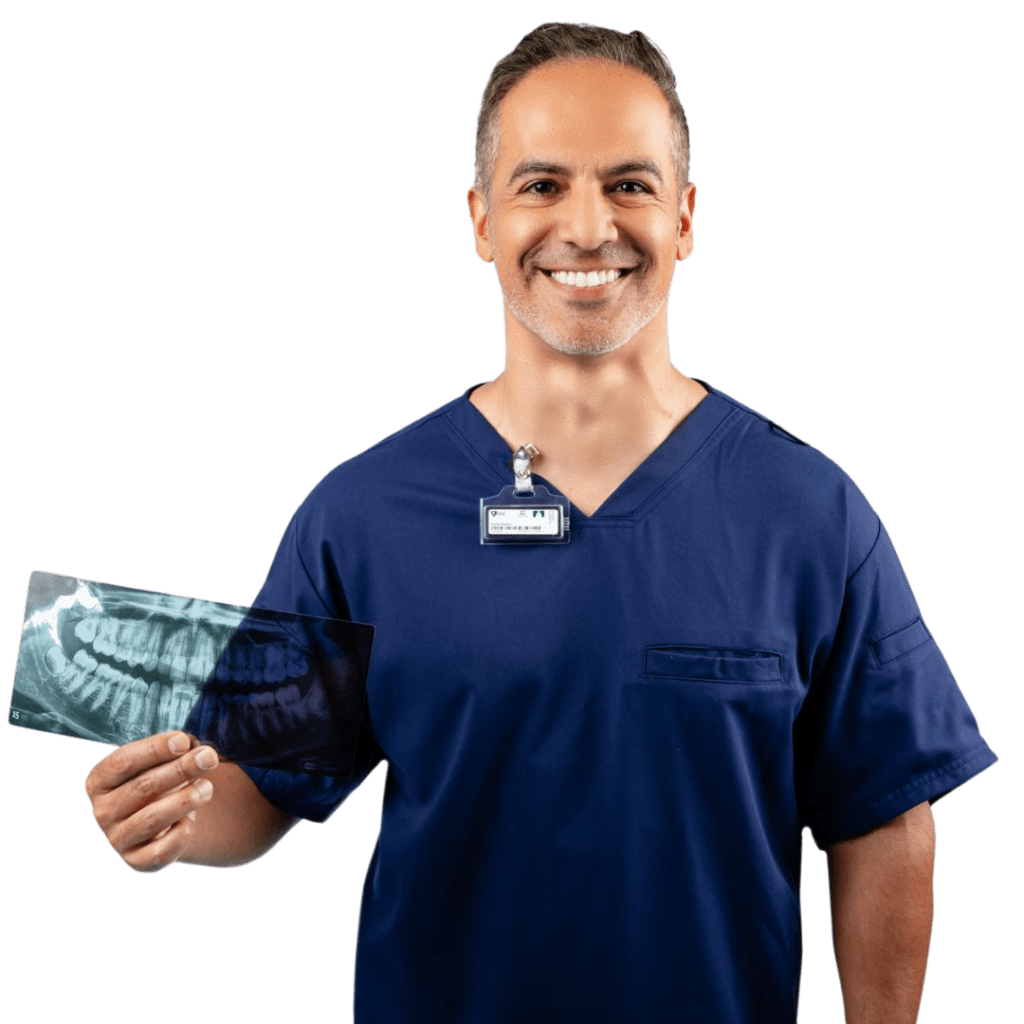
(237, 824)
(881, 888)
(162, 799)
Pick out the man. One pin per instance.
(601, 754)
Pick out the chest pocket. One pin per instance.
(713, 665)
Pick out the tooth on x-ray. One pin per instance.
(266, 688)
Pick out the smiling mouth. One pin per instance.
(588, 278)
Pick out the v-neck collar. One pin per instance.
(706, 424)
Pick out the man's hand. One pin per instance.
(145, 794)
(881, 887)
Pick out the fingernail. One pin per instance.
(205, 757)
(205, 787)
(178, 743)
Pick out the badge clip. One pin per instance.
(524, 513)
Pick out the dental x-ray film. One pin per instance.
(265, 688)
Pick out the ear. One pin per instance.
(684, 244)
(481, 225)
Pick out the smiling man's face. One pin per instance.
(585, 221)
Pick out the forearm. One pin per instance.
(237, 825)
(881, 887)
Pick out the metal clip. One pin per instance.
(521, 468)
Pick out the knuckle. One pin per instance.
(118, 761)
(103, 816)
(144, 786)
(146, 822)
(106, 812)
(117, 837)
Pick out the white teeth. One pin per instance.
(100, 686)
(85, 630)
(179, 666)
(134, 643)
(585, 279)
(151, 707)
(183, 697)
(135, 722)
(125, 637)
(120, 695)
(93, 693)
(151, 658)
(202, 661)
(173, 659)
(106, 637)
(86, 665)
(56, 660)
(165, 710)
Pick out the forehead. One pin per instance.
(583, 111)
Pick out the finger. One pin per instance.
(160, 852)
(128, 761)
(165, 830)
(153, 820)
(191, 814)
(153, 784)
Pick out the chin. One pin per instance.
(594, 340)
(599, 345)
(597, 338)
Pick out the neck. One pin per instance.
(594, 418)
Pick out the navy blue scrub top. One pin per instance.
(601, 755)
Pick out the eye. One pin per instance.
(630, 188)
(541, 188)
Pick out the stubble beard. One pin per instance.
(595, 335)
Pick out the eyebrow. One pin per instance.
(528, 167)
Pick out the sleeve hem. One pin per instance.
(930, 786)
(277, 788)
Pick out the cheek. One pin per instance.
(665, 238)
(514, 238)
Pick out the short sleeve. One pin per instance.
(290, 587)
(885, 726)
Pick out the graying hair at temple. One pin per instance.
(562, 41)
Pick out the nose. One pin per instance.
(586, 218)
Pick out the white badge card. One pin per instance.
(533, 517)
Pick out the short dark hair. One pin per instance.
(562, 41)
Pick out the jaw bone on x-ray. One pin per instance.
(266, 688)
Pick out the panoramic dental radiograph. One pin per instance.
(266, 688)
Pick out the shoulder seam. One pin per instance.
(316, 590)
(874, 544)
(770, 423)
(421, 422)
